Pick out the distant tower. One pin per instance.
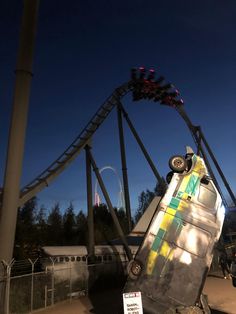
(97, 198)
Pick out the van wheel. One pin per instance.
(177, 163)
(134, 269)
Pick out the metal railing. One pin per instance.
(29, 288)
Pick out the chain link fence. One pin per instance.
(31, 285)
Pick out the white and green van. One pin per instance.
(173, 260)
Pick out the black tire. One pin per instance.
(169, 176)
(177, 163)
(134, 269)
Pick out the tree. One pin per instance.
(41, 227)
(25, 237)
(69, 226)
(82, 228)
(145, 199)
(55, 226)
(122, 217)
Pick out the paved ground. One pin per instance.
(221, 297)
(221, 294)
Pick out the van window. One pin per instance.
(207, 195)
(99, 258)
(194, 240)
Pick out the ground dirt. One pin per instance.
(221, 297)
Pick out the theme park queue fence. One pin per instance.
(27, 288)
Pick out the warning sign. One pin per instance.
(132, 302)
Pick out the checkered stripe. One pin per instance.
(161, 249)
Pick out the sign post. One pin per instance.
(132, 302)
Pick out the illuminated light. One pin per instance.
(151, 75)
(142, 72)
(179, 102)
(97, 199)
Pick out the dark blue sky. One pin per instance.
(85, 49)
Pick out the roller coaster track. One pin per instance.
(142, 89)
(73, 150)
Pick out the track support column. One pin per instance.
(11, 187)
(111, 209)
(160, 180)
(198, 137)
(91, 243)
(124, 168)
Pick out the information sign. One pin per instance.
(132, 302)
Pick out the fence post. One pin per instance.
(8, 283)
(32, 283)
(70, 282)
(53, 281)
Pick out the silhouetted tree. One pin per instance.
(69, 226)
(82, 229)
(121, 215)
(25, 236)
(41, 227)
(55, 226)
(145, 199)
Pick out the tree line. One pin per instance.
(42, 227)
(37, 227)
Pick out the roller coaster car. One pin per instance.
(172, 263)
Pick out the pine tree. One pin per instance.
(81, 229)
(55, 236)
(25, 238)
(69, 226)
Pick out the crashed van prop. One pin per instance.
(173, 260)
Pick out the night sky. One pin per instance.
(84, 50)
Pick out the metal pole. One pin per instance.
(124, 168)
(197, 138)
(70, 283)
(53, 282)
(204, 156)
(32, 284)
(148, 158)
(13, 169)
(217, 166)
(89, 204)
(8, 267)
(109, 204)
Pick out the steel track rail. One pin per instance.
(74, 149)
